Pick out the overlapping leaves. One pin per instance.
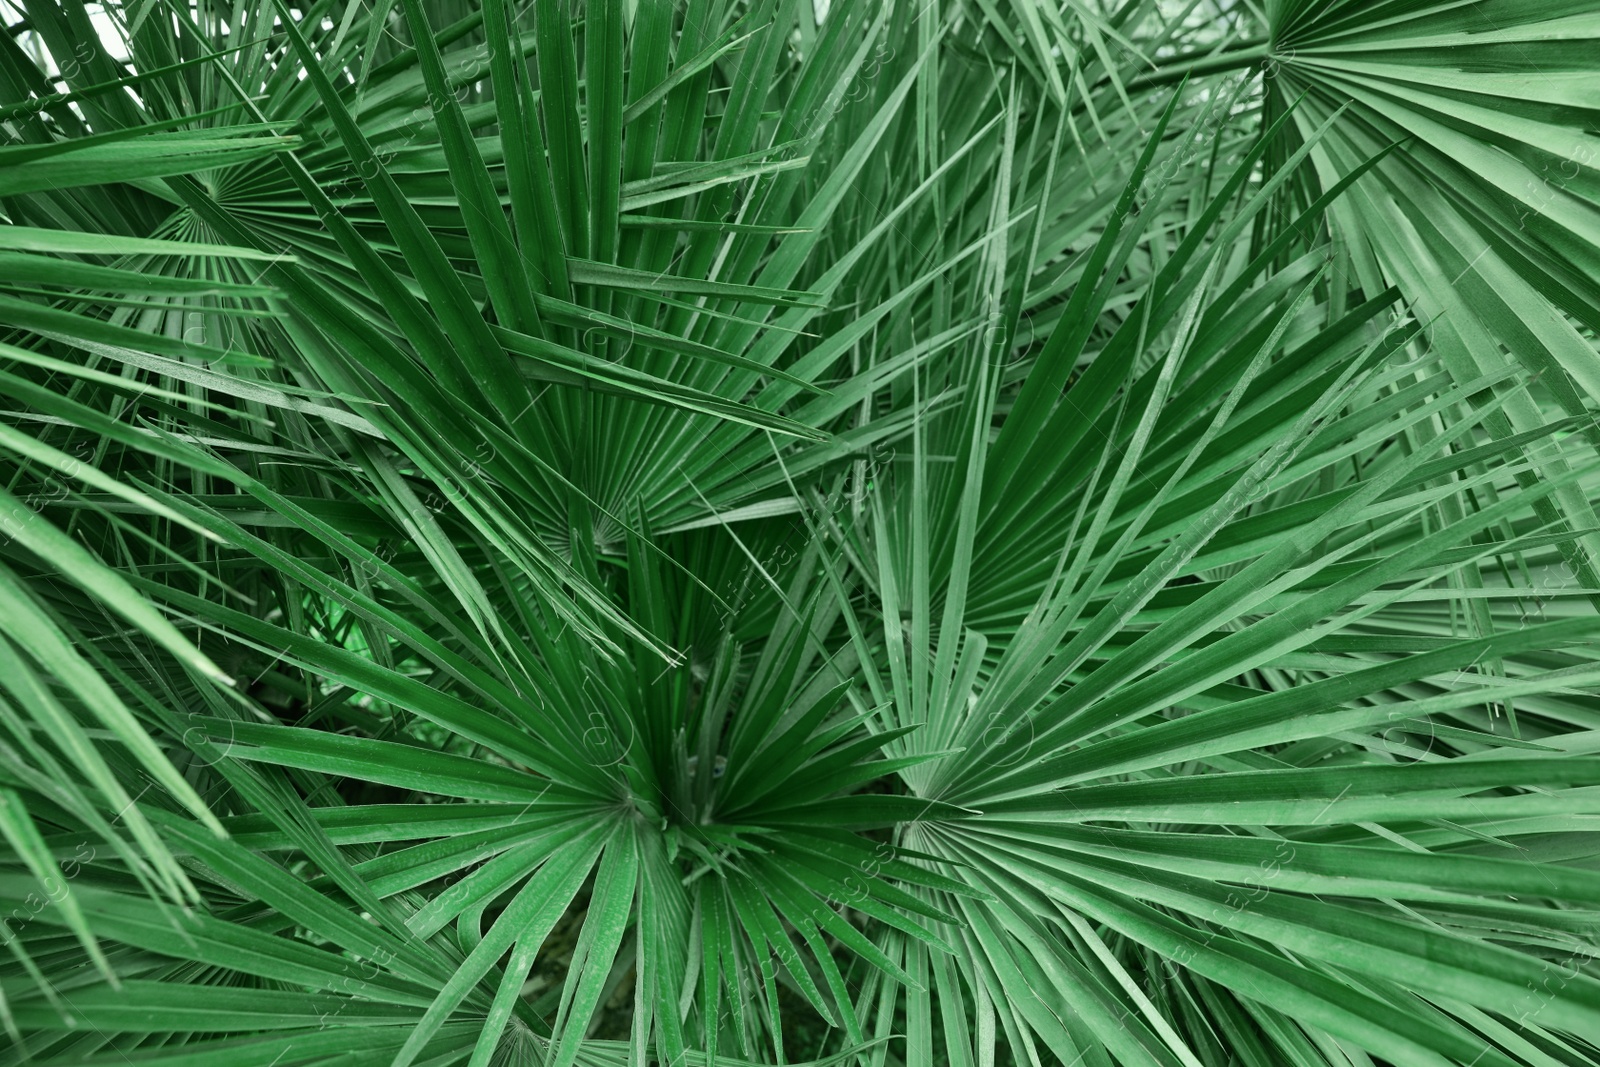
(600, 534)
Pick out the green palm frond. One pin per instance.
(1487, 220)
(869, 534)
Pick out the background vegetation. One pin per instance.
(938, 533)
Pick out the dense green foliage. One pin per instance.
(964, 533)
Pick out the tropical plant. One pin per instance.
(737, 531)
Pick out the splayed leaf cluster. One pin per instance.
(867, 533)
